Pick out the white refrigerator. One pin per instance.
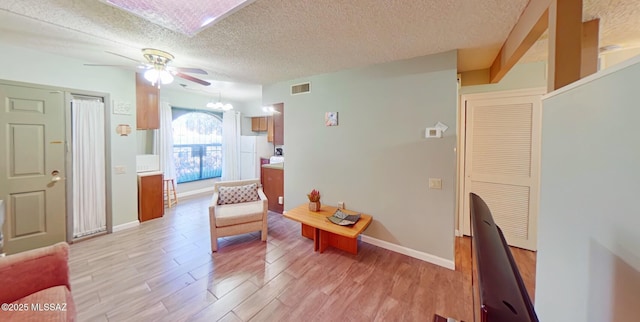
(248, 157)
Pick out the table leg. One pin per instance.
(324, 240)
(316, 240)
(344, 243)
(307, 231)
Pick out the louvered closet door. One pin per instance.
(502, 153)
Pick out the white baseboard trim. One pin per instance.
(410, 252)
(458, 233)
(124, 226)
(195, 192)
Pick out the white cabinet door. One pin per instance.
(502, 156)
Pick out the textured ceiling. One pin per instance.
(274, 40)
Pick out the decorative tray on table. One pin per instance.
(343, 219)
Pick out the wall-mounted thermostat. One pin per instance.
(432, 133)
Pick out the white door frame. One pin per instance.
(462, 119)
(106, 99)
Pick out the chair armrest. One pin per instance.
(261, 194)
(214, 200)
(212, 209)
(265, 203)
(31, 271)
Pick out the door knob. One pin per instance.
(55, 177)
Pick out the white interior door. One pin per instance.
(32, 144)
(502, 156)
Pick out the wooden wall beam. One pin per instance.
(565, 43)
(475, 77)
(532, 24)
(590, 47)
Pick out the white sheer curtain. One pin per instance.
(230, 146)
(89, 183)
(163, 142)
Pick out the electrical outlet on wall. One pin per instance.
(435, 183)
(341, 204)
(120, 169)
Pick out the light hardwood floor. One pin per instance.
(163, 270)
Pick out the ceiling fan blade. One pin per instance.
(193, 79)
(127, 67)
(129, 58)
(190, 70)
(104, 65)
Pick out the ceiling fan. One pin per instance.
(158, 69)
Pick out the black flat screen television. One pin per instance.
(501, 295)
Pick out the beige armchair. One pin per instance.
(237, 207)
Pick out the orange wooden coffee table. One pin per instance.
(324, 233)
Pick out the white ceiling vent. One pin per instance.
(300, 88)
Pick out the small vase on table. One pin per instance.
(314, 205)
(314, 200)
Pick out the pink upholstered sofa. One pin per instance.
(34, 285)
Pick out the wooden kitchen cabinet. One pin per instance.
(150, 196)
(278, 124)
(263, 161)
(270, 129)
(275, 125)
(147, 104)
(259, 124)
(273, 187)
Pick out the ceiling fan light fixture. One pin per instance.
(157, 69)
(158, 76)
(152, 76)
(165, 77)
(227, 107)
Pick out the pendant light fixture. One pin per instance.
(219, 105)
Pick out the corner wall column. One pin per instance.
(565, 43)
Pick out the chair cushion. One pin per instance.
(52, 304)
(238, 213)
(237, 194)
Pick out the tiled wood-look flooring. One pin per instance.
(163, 270)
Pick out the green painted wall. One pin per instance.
(377, 159)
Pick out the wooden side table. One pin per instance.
(316, 226)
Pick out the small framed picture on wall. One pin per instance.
(331, 118)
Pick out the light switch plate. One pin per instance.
(435, 183)
(120, 169)
(123, 108)
(432, 133)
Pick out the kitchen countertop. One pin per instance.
(149, 173)
(279, 166)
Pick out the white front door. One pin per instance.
(32, 141)
(502, 160)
